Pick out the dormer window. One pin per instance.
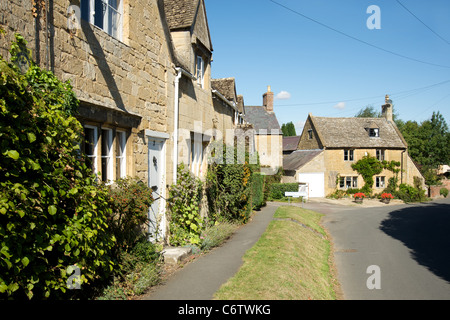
(374, 132)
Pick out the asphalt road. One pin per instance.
(391, 252)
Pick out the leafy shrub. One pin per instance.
(52, 213)
(130, 200)
(408, 193)
(257, 190)
(229, 188)
(185, 223)
(443, 192)
(277, 190)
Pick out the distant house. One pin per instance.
(329, 146)
(268, 135)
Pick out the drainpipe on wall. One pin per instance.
(401, 168)
(180, 72)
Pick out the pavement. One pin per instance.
(201, 278)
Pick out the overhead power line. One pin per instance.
(359, 40)
(439, 36)
(397, 95)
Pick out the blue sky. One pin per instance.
(335, 73)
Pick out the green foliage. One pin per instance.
(228, 188)
(409, 193)
(52, 213)
(216, 234)
(288, 129)
(370, 166)
(141, 269)
(443, 192)
(257, 190)
(130, 200)
(277, 190)
(185, 223)
(429, 141)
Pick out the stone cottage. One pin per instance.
(142, 73)
(268, 135)
(329, 146)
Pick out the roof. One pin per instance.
(261, 119)
(180, 13)
(290, 143)
(226, 86)
(299, 158)
(352, 132)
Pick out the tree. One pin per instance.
(288, 129)
(429, 142)
(368, 112)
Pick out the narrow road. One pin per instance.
(392, 252)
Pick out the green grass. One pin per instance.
(289, 262)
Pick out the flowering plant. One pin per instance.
(387, 196)
(359, 195)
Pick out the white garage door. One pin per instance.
(316, 183)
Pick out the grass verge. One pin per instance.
(291, 261)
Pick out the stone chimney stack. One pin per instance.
(268, 100)
(386, 109)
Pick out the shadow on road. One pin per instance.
(425, 230)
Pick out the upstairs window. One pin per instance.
(380, 154)
(105, 14)
(200, 71)
(310, 134)
(348, 155)
(374, 132)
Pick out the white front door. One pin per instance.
(156, 167)
(316, 183)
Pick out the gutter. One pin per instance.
(180, 72)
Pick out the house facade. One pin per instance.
(142, 73)
(268, 135)
(329, 146)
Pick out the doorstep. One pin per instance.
(174, 255)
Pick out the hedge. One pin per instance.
(257, 190)
(277, 190)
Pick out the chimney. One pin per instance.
(386, 109)
(268, 100)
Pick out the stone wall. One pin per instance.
(132, 76)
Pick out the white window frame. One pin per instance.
(380, 154)
(121, 158)
(349, 155)
(380, 182)
(348, 182)
(374, 132)
(108, 175)
(94, 156)
(107, 24)
(200, 70)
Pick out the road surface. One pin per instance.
(392, 252)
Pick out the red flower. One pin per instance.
(359, 195)
(387, 196)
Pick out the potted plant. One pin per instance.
(386, 197)
(359, 196)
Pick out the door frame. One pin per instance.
(160, 137)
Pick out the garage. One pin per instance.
(316, 182)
